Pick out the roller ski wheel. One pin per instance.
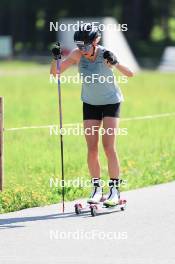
(93, 209)
(122, 204)
(78, 209)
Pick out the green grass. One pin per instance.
(32, 157)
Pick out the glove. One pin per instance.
(56, 51)
(110, 57)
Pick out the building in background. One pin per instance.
(6, 49)
(168, 60)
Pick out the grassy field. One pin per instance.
(32, 156)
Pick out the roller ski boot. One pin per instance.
(97, 203)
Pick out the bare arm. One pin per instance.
(111, 60)
(123, 69)
(72, 59)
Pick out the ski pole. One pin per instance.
(61, 125)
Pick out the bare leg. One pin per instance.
(109, 146)
(92, 145)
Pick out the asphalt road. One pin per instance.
(143, 233)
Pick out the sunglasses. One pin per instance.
(86, 47)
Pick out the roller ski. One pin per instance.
(97, 203)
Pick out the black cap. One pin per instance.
(86, 34)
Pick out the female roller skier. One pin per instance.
(101, 104)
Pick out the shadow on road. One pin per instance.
(14, 220)
(10, 226)
(8, 222)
